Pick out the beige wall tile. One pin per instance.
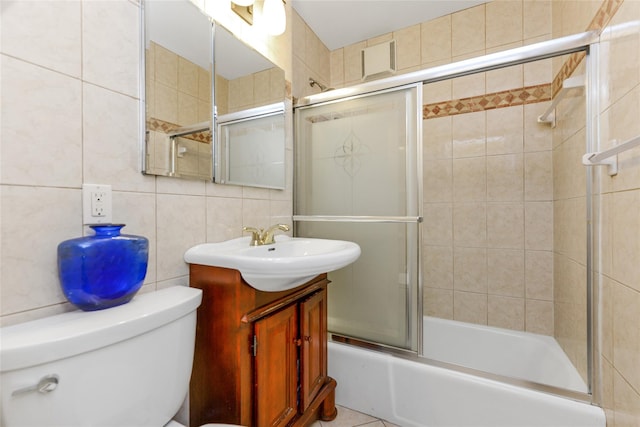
(110, 127)
(438, 267)
(619, 123)
(187, 77)
(44, 33)
(626, 238)
(537, 72)
(537, 137)
(224, 218)
(505, 78)
(437, 138)
(137, 211)
(110, 45)
(189, 212)
(187, 109)
(470, 307)
(538, 225)
(204, 85)
(622, 56)
(538, 275)
(503, 22)
(505, 181)
(471, 85)
(438, 224)
(436, 39)
(299, 41)
(626, 402)
(437, 92)
(470, 269)
(505, 274)
(353, 63)
(470, 224)
(469, 179)
(438, 180)
(41, 126)
(337, 67)
(505, 225)
(469, 135)
(538, 176)
(166, 103)
(626, 334)
(468, 30)
(408, 53)
(536, 18)
(506, 312)
(539, 317)
(29, 268)
(438, 303)
(505, 131)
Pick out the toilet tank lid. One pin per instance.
(75, 332)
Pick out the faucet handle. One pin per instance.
(268, 236)
(256, 235)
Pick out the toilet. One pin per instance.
(124, 366)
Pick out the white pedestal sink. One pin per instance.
(289, 262)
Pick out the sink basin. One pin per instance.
(289, 262)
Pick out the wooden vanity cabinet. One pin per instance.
(260, 357)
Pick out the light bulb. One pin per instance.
(243, 2)
(275, 17)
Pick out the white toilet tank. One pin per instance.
(124, 366)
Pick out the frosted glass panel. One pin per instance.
(350, 150)
(253, 152)
(370, 299)
(359, 158)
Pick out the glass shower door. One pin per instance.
(357, 179)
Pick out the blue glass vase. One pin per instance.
(103, 270)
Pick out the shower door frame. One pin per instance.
(413, 328)
(587, 42)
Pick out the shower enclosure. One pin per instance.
(464, 187)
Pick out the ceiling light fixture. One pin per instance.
(275, 17)
(244, 9)
(243, 2)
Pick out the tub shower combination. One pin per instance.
(359, 178)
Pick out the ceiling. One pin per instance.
(339, 23)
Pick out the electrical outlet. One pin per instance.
(96, 204)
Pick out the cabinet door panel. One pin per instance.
(313, 334)
(276, 368)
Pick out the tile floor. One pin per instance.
(350, 418)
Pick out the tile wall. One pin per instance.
(617, 202)
(487, 165)
(70, 115)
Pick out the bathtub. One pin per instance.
(413, 394)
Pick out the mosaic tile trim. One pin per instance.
(605, 13)
(489, 101)
(166, 127)
(600, 20)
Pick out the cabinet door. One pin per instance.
(313, 334)
(276, 368)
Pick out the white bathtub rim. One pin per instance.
(355, 396)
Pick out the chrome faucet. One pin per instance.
(261, 237)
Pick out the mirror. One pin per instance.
(178, 112)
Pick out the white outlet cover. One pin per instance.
(87, 217)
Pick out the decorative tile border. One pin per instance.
(600, 20)
(489, 101)
(166, 127)
(527, 95)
